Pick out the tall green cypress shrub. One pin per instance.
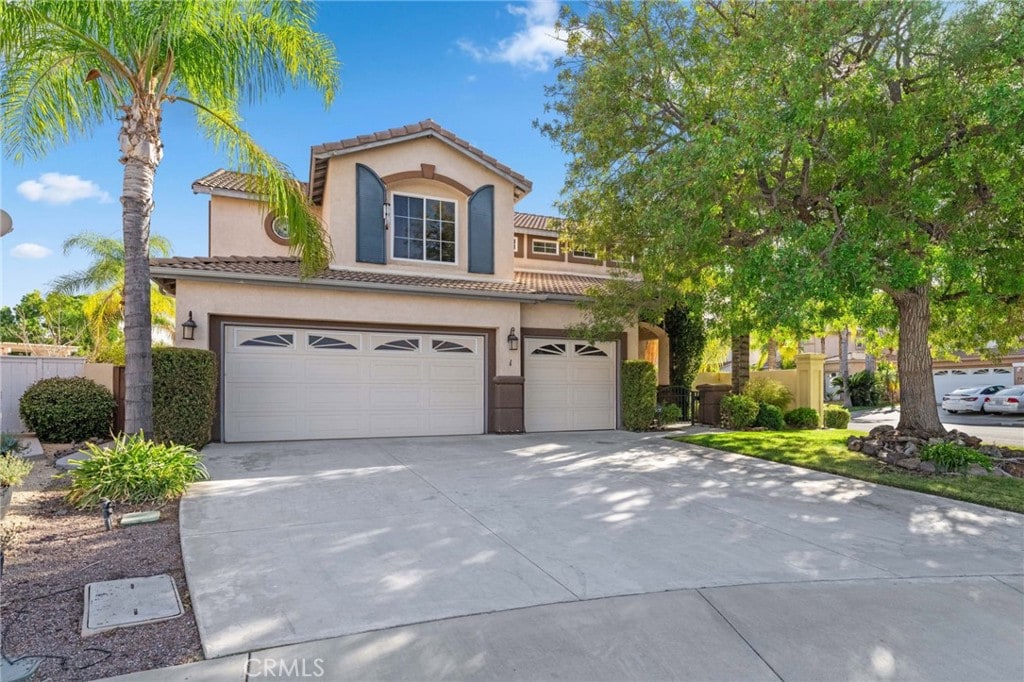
(639, 394)
(184, 390)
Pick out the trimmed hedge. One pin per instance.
(768, 391)
(769, 417)
(802, 418)
(184, 389)
(67, 409)
(738, 411)
(639, 394)
(836, 417)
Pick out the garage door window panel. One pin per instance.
(322, 342)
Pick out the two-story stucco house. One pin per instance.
(444, 310)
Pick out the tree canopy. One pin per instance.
(806, 162)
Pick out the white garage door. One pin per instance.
(947, 380)
(570, 385)
(294, 384)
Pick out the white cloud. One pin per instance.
(30, 251)
(535, 46)
(57, 188)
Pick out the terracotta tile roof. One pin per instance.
(559, 284)
(322, 152)
(532, 221)
(231, 181)
(530, 284)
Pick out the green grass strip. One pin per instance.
(825, 450)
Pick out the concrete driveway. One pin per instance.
(592, 555)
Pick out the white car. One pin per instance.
(969, 399)
(1007, 401)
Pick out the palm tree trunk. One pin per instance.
(141, 151)
(918, 412)
(844, 365)
(772, 361)
(740, 362)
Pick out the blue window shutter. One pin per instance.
(481, 230)
(370, 237)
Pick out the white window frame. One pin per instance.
(394, 233)
(533, 247)
(515, 243)
(587, 255)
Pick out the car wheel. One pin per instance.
(951, 411)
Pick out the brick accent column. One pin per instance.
(810, 381)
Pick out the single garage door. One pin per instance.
(570, 385)
(295, 383)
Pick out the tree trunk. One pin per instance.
(740, 362)
(772, 361)
(141, 152)
(870, 363)
(844, 365)
(918, 412)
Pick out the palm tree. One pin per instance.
(104, 281)
(70, 66)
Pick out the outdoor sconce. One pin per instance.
(513, 340)
(188, 328)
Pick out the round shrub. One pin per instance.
(670, 413)
(66, 409)
(802, 418)
(768, 391)
(836, 417)
(769, 417)
(738, 411)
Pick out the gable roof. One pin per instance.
(322, 153)
(285, 269)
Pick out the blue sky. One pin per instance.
(477, 68)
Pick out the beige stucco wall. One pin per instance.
(550, 315)
(325, 304)
(339, 201)
(205, 299)
(102, 373)
(236, 229)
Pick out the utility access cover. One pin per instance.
(132, 601)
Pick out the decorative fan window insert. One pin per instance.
(400, 344)
(550, 349)
(271, 341)
(440, 346)
(318, 341)
(587, 349)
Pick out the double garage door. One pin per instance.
(297, 383)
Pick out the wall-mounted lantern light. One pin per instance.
(188, 328)
(513, 340)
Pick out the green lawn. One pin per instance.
(826, 451)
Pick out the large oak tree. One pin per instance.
(808, 160)
(69, 66)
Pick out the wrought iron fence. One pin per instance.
(681, 396)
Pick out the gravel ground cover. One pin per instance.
(51, 551)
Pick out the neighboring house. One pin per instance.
(443, 312)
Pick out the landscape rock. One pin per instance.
(903, 449)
